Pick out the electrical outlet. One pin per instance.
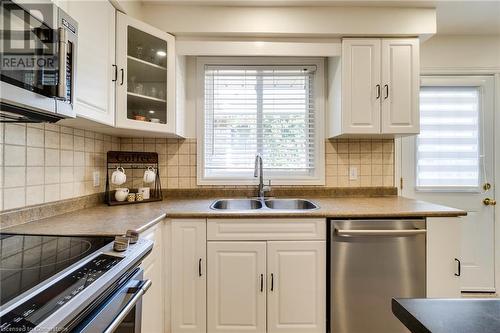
(353, 173)
(95, 177)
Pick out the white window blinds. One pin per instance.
(259, 109)
(448, 147)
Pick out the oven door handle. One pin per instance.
(63, 50)
(140, 291)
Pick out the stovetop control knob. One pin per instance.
(121, 243)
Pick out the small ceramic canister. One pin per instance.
(144, 191)
(131, 197)
(138, 197)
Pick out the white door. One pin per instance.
(145, 91)
(188, 276)
(95, 89)
(400, 86)
(296, 286)
(361, 90)
(236, 285)
(452, 159)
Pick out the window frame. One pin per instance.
(318, 178)
(442, 81)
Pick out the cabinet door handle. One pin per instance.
(262, 283)
(386, 87)
(459, 267)
(378, 91)
(116, 73)
(199, 267)
(122, 76)
(272, 281)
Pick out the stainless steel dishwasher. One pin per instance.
(372, 261)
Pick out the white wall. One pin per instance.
(461, 52)
(290, 21)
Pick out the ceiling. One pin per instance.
(472, 17)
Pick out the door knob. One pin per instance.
(489, 202)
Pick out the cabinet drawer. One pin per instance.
(266, 229)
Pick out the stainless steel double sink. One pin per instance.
(275, 204)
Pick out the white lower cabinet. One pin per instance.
(296, 295)
(188, 275)
(152, 303)
(443, 257)
(236, 286)
(240, 275)
(275, 286)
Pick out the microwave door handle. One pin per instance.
(385, 233)
(130, 305)
(63, 50)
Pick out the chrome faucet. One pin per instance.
(258, 171)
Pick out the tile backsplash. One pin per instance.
(374, 160)
(42, 163)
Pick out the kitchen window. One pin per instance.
(272, 107)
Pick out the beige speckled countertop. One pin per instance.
(105, 220)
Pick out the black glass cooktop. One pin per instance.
(27, 260)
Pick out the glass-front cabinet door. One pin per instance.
(145, 77)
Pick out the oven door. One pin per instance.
(121, 311)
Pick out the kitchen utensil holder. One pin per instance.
(130, 160)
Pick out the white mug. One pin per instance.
(118, 176)
(144, 191)
(121, 194)
(149, 175)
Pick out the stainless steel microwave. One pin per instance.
(38, 49)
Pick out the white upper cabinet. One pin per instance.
(379, 83)
(189, 276)
(400, 79)
(296, 287)
(145, 93)
(361, 86)
(95, 89)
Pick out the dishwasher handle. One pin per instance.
(379, 233)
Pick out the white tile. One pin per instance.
(79, 188)
(79, 158)
(51, 139)
(52, 127)
(67, 190)
(52, 192)
(66, 158)
(1, 132)
(14, 197)
(66, 174)
(34, 195)
(14, 176)
(52, 175)
(66, 141)
(79, 143)
(15, 134)
(35, 137)
(52, 157)
(79, 174)
(15, 155)
(35, 175)
(35, 156)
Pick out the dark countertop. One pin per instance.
(480, 315)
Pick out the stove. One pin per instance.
(58, 282)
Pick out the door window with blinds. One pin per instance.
(449, 144)
(255, 108)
